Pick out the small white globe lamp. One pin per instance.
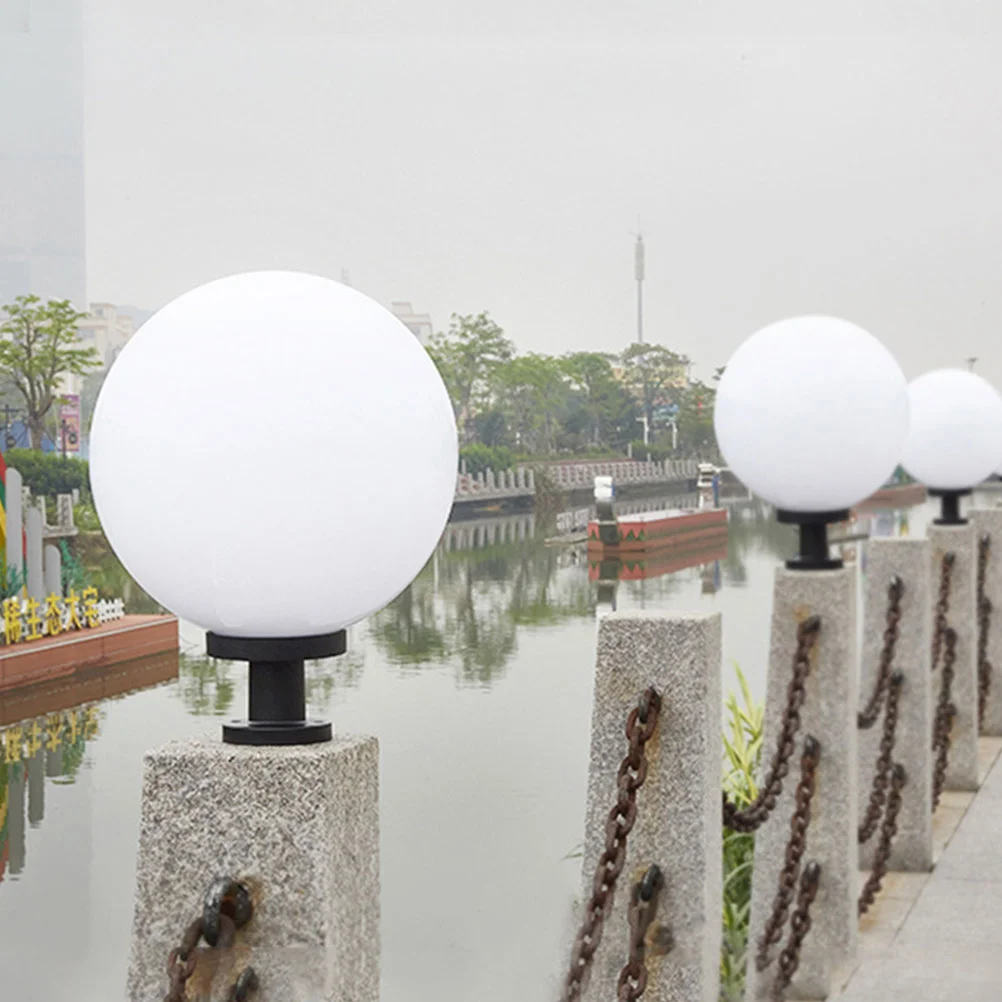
(955, 438)
(811, 414)
(273, 457)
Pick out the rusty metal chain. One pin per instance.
(640, 727)
(984, 626)
(795, 848)
(885, 762)
(942, 605)
(644, 901)
(181, 962)
(888, 830)
(869, 716)
(752, 817)
(943, 720)
(800, 926)
(226, 907)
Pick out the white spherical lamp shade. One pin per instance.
(273, 455)
(955, 437)
(812, 413)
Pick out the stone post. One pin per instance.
(988, 521)
(911, 561)
(33, 540)
(532, 482)
(15, 554)
(678, 823)
(829, 715)
(962, 767)
(52, 570)
(36, 787)
(301, 825)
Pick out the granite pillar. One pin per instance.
(301, 826)
(14, 544)
(33, 545)
(962, 766)
(988, 521)
(829, 714)
(678, 822)
(911, 561)
(52, 570)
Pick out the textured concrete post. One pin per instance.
(15, 553)
(962, 768)
(989, 521)
(301, 825)
(33, 544)
(829, 714)
(52, 570)
(678, 822)
(910, 560)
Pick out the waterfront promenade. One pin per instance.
(937, 937)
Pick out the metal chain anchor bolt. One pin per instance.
(945, 712)
(644, 900)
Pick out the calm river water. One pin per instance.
(478, 683)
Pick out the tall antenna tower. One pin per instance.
(638, 267)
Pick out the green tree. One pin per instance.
(467, 357)
(605, 405)
(38, 349)
(655, 374)
(532, 390)
(695, 420)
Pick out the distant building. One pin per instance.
(41, 150)
(419, 324)
(107, 329)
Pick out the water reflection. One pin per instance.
(52, 746)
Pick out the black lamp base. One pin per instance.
(814, 554)
(277, 691)
(249, 732)
(949, 506)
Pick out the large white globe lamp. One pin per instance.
(811, 414)
(955, 438)
(273, 457)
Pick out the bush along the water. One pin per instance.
(47, 473)
(742, 754)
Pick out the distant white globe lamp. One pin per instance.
(273, 457)
(811, 415)
(955, 438)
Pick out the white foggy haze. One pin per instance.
(497, 157)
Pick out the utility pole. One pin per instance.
(638, 266)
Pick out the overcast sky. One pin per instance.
(469, 156)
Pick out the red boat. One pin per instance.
(644, 533)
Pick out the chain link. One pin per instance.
(942, 605)
(868, 717)
(885, 761)
(795, 848)
(644, 901)
(984, 625)
(945, 712)
(226, 906)
(888, 830)
(752, 817)
(640, 727)
(800, 926)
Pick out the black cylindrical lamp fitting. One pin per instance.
(277, 689)
(949, 505)
(813, 554)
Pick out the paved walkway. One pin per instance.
(937, 937)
